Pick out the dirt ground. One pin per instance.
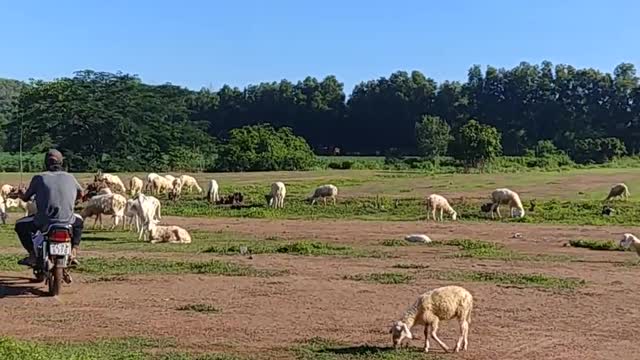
(262, 317)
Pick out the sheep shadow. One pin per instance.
(366, 350)
(13, 286)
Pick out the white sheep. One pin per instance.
(438, 202)
(212, 191)
(440, 304)
(171, 234)
(6, 189)
(135, 185)
(418, 238)
(131, 215)
(104, 191)
(176, 190)
(629, 241)
(107, 204)
(620, 190)
(277, 195)
(189, 182)
(149, 209)
(160, 185)
(508, 197)
(149, 180)
(170, 177)
(113, 181)
(29, 207)
(324, 192)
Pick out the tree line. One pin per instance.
(115, 121)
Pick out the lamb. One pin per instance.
(324, 192)
(113, 181)
(171, 234)
(6, 189)
(435, 202)
(29, 207)
(418, 238)
(440, 304)
(148, 208)
(160, 185)
(176, 190)
(107, 204)
(509, 197)
(276, 197)
(135, 185)
(189, 182)
(629, 241)
(618, 190)
(149, 180)
(212, 192)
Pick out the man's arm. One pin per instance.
(33, 186)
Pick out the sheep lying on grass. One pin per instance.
(438, 202)
(418, 238)
(444, 303)
(618, 190)
(506, 197)
(630, 241)
(171, 234)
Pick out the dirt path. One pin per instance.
(261, 316)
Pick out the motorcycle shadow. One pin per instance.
(15, 286)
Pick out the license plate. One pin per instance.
(59, 249)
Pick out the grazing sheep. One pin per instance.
(189, 182)
(629, 241)
(176, 190)
(160, 185)
(418, 238)
(113, 181)
(6, 189)
(170, 177)
(324, 192)
(93, 189)
(171, 234)
(438, 202)
(212, 192)
(107, 204)
(135, 185)
(104, 191)
(149, 180)
(276, 197)
(148, 208)
(440, 304)
(507, 197)
(29, 207)
(618, 190)
(234, 199)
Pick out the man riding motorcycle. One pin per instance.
(56, 192)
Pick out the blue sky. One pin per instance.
(211, 43)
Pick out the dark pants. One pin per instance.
(25, 227)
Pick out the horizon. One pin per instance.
(208, 45)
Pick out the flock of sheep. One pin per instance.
(105, 197)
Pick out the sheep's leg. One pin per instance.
(465, 334)
(441, 211)
(426, 338)
(433, 214)
(498, 212)
(434, 335)
(334, 200)
(464, 328)
(493, 209)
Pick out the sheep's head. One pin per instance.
(399, 331)
(627, 239)
(518, 213)
(454, 216)
(268, 198)
(486, 207)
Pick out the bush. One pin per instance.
(597, 151)
(477, 144)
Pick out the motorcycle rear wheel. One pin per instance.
(55, 281)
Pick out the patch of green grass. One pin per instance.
(382, 278)
(394, 242)
(410, 266)
(305, 248)
(504, 278)
(484, 250)
(201, 308)
(597, 245)
(322, 349)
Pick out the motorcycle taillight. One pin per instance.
(59, 236)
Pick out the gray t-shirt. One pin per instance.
(55, 193)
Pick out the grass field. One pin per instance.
(325, 282)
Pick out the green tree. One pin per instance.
(476, 144)
(263, 148)
(433, 136)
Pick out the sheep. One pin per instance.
(171, 234)
(189, 182)
(506, 196)
(630, 240)
(276, 197)
(160, 185)
(131, 216)
(435, 202)
(440, 304)
(607, 210)
(135, 185)
(176, 190)
(418, 238)
(618, 190)
(113, 181)
(324, 192)
(29, 207)
(108, 204)
(148, 208)
(105, 191)
(170, 177)
(233, 199)
(6, 189)
(212, 192)
(149, 180)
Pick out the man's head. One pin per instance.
(53, 160)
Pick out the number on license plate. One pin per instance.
(60, 249)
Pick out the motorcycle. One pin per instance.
(53, 255)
